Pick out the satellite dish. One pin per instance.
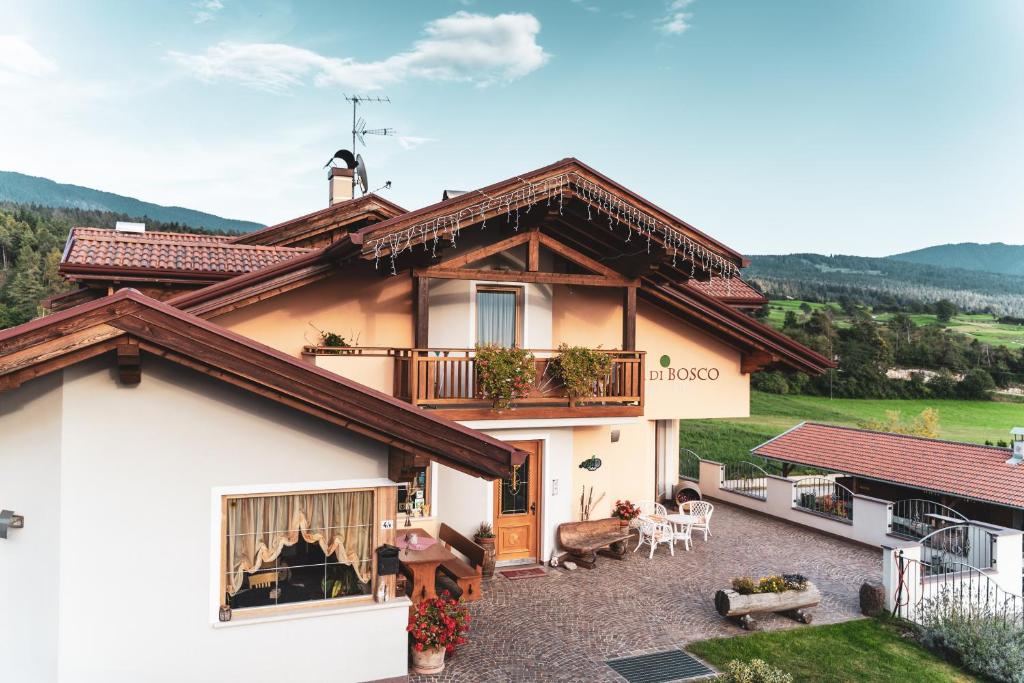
(344, 155)
(361, 173)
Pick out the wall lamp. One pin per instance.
(9, 520)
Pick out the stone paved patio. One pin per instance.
(563, 626)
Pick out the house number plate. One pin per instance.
(387, 524)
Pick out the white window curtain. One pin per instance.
(496, 317)
(259, 528)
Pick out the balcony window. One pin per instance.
(498, 318)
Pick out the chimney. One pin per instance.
(1017, 441)
(340, 184)
(124, 226)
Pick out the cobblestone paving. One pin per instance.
(563, 626)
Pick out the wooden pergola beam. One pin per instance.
(525, 276)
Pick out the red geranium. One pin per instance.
(625, 510)
(439, 622)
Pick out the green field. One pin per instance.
(854, 651)
(727, 440)
(980, 326)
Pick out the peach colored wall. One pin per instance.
(627, 466)
(702, 378)
(377, 308)
(376, 372)
(587, 316)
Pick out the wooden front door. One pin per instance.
(517, 500)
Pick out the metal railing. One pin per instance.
(689, 465)
(823, 496)
(916, 518)
(945, 549)
(929, 597)
(745, 478)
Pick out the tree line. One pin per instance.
(865, 350)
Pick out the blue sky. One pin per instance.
(837, 126)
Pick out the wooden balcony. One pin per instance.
(445, 379)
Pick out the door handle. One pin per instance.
(533, 508)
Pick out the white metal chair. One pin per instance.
(701, 512)
(654, 532)
(647, 508)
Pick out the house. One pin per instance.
(244, 397)
(982, 483)
(158, 464)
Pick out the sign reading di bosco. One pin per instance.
(667, 373)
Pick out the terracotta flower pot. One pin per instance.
(489, 555)
(623, 522)
(427, 661)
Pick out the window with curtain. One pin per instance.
(302, 547)
(497, 316)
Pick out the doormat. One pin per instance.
(660, 667)
(531, 573)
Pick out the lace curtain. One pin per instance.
(259, 528)
(496, 318)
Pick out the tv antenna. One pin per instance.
(360, 131)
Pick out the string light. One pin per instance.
(524, 197)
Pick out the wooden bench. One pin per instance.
(467, 573)
(584, 540)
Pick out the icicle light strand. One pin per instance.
(596, 198)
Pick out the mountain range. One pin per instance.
(18, 188)
(993, 258)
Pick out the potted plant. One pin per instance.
(485, 538)
(625, 511)
(436, 627)
(504, 374)
(582, 371)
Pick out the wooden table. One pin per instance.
(421, 565)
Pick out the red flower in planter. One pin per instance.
(438, 623)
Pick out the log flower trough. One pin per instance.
(789, 594)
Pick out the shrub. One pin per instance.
(754, 671)
(504, 374)
(984, 640)
(580, 369)
(771, 584)
(744, 585)
(773, 382)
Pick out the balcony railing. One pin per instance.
(446, 379)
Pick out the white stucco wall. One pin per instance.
(453, 313)
(137, 567)
(30, 436)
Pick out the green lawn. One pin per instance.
(770, 414)
(854, 651)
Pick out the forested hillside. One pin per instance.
(31, 240)
(19, 188)
(997, 257)
(885, 283)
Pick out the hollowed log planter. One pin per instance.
(792, 603)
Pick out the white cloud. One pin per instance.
(412, 142)
(676, 20)
(465, 47)
(206, 10)
(20, 62)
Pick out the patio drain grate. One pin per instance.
(660, 667)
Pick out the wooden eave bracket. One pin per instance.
(129, 362)
(755, 361)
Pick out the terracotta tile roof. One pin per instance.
(96, 249)
(728, 289)
(960, 469)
